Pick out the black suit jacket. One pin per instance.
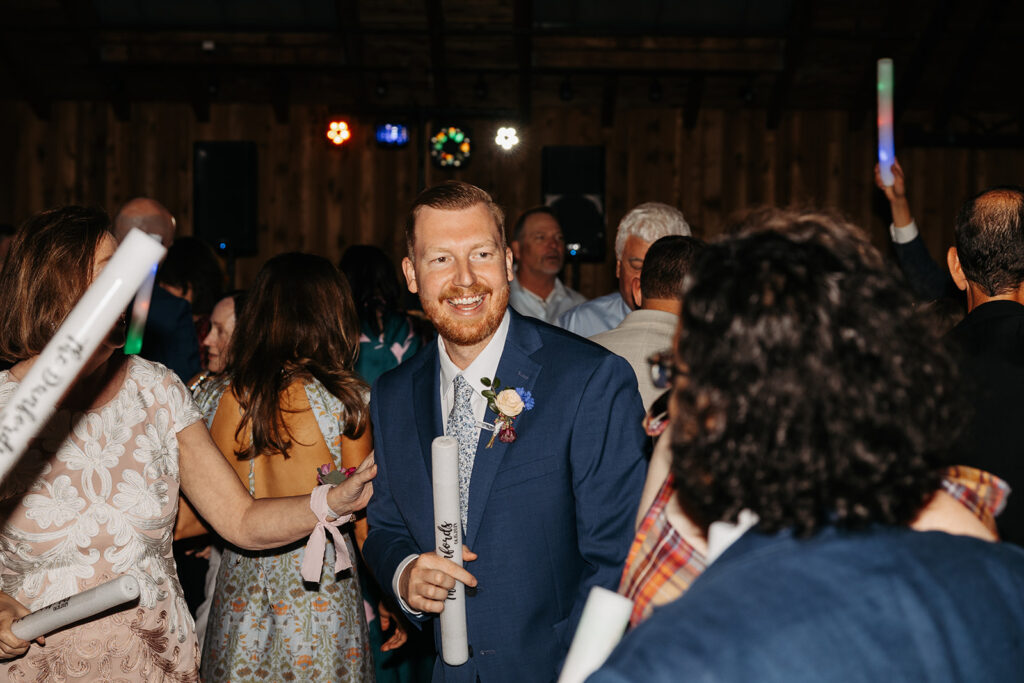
(992, 340)
(927, 279)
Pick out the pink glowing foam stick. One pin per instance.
(886, 146)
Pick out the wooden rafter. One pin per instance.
(438, 67)
(523, 25)
(796, 44)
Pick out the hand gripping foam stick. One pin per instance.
(84, 605)
(35, 399)
(444, 454)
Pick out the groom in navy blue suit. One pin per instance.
(550, 513)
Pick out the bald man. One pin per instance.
(170, 336)
(148, 215)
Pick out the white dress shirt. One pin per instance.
(903, 234)
(484, 365)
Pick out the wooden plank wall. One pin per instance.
(317, 198)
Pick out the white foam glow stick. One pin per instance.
(601, 627)
(886, 146)
(80, 607)
(89, 322)
(444, 456)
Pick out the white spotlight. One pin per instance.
(506, 138)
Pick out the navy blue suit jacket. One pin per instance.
(550, 515)
(170, 336)
(889, 604)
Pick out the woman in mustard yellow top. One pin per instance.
(289, 403)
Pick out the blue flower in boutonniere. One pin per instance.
(507, 404)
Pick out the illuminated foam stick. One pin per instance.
(886, 147)
(80, 607)
(140, 311)
(88, 324)
(444, 455)
(601, 627)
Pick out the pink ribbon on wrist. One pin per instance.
(316, 546)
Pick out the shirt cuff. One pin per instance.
(394, 586)
(902, 235)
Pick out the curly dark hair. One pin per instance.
(808, 392)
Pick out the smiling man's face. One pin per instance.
(461, 271)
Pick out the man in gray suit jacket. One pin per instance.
(659, 294)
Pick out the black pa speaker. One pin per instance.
(572, 181)
(224, 196)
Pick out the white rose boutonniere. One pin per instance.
(507, 404)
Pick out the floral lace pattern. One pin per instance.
(95, 497)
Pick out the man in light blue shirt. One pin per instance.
(539, 250)
(638, 229)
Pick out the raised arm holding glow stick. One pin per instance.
(886, 146)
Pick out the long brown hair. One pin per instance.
(298, 321)
(47, 271)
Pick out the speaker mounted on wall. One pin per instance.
(572, 182)
(224, 195)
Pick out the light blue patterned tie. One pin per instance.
(462, 425)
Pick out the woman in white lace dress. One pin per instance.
(95, 496)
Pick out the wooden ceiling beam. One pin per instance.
(796, 45)
(352, 42)
(987, 18)
(523, 26)
(25, 87)
(609, 100)
(85, 24)
(908, 77)
(657, 53)
(438, 66)
(692, 101)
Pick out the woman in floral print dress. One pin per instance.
(95, 495)
(276, 429)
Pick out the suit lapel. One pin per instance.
(426, 401)
(515, 369)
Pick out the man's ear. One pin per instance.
(514, 245)
(618, 268)
(638, 298)
(955, 269)
(410, 275)
(509, 272)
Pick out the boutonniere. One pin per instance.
(326, 474)
(507, 405)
